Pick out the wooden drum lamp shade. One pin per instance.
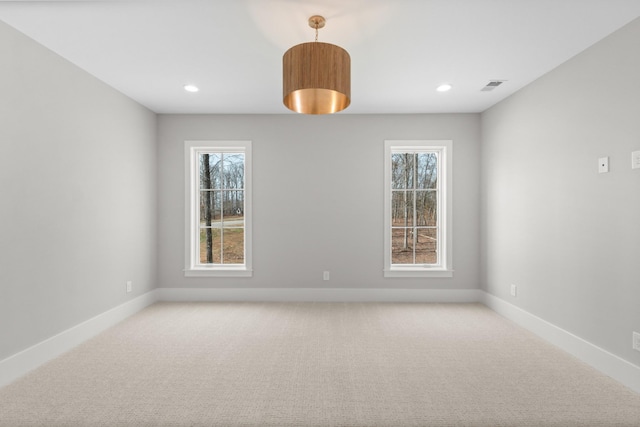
(316, 76)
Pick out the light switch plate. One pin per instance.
(635, 160)
(603, 165)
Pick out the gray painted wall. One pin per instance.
(78, 186)
(318, 196)
(568, 237)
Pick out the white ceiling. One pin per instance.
(401, 50)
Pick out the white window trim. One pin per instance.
(192, 232)
(445, 170)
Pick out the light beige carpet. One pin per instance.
(317, 364)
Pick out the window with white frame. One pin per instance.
(417, 211)
(218, 208)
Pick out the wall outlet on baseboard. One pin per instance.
(514, 291)
(129, 286)
(636, 341)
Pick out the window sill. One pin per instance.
(417, 272)
(218, 272)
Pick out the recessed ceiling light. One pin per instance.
(191, 88)
(444, 87)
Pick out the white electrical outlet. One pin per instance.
(325, 275)
(514, 290)
(636, 341)
(603, 165)
(129, 286)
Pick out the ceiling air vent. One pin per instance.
(492, 85)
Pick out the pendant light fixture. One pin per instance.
(316, 76)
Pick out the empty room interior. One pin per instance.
(438, 226)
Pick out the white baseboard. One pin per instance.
(20, 363)
(320, 295)
(609, 364)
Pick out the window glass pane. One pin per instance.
(401, 208)
(222, 208)
(402, 246)
(210, 245)
(233, 246)
(210, 207)
(233, 171)
(426, 246)
(222, 211)
(210, 170)
(426, 208)
(233, 205)
(402, 170)
(427, 170)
